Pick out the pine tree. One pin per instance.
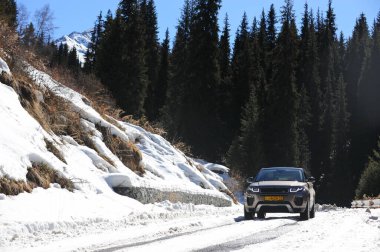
(173, 111)
(72, 60)
(271, 41)
(341, 53)
(329, 58)
(263, 41)
(369, 182)
(369, 90)
(149, 18)
(245, 153)
(283, 99)
(225, 96)
(108, 65)
(133, 83)
(342, 174)
(358, 50)
(225, 51)
(200, 103)
(241, 71)
(163, 73)
(96, 34)
(308, 84)
(29, 37)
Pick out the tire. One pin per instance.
(306, 214)
(312, 211)
(248, 215)
(261, 215)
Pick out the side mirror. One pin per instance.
(311, 179)
(250, 180)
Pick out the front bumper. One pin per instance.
(291, 203)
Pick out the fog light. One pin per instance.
(298, 201)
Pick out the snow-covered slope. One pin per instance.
(94, 173)
(78, 40)
(23, 141)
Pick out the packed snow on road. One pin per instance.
(169, 226)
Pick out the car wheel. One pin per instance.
(312, 211)
(248, 215)
(261, 215)
(306, 214)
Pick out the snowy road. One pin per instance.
(205, 228)
(246, 239)
(334, 230)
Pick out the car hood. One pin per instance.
(278, 183)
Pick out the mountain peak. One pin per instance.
(78, 40)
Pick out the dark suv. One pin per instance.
(280, 190)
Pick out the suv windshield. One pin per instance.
(280, 175)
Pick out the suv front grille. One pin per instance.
(274, 189)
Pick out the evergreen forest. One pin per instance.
(276, 92)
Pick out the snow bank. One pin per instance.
(47, 217)
(341, 229)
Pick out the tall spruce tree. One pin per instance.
(342, 174)
(150, 28)
(326, 154)
(200, 101)
(225, 96)
(263, 41)
(163, 73)
(271, 43)
(72, 60)
(108, 65)
(241, 71)
(308, 84)
(245, 153)
(358, 50)
(369, 183)
(133, 84)
(283, 99)
(369, 90)
(96, 34)
(173, 111)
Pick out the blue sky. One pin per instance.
(79, 15)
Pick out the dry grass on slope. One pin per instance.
(128, 153)
(39, 175)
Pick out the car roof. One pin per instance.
(282, 168)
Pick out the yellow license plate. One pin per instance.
(274, 198)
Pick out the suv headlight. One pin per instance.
(253, 189)
(296, 189)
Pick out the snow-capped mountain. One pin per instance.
(78, 40)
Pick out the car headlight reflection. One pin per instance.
(296, 189)
(253, 190)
